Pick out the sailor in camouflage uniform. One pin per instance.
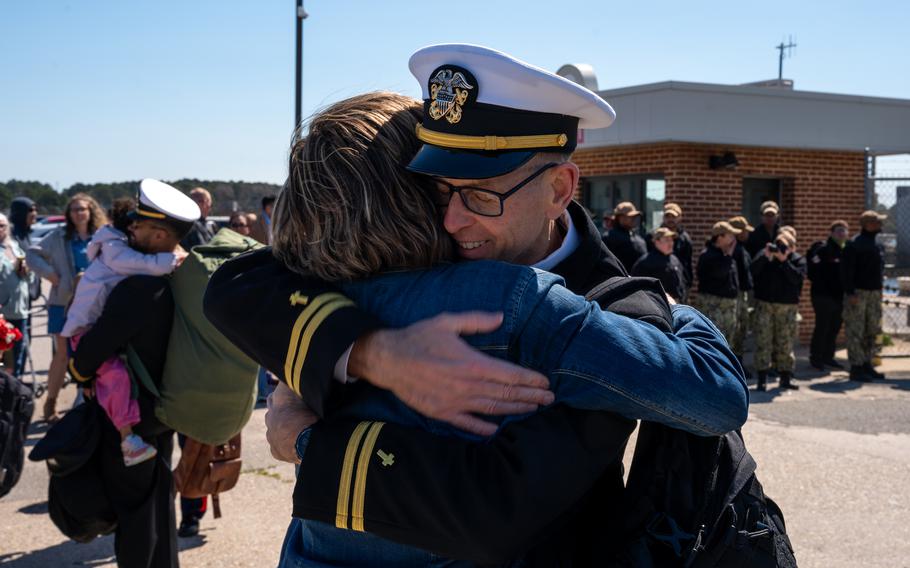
(863, 271)
(718, 280)
(743, 299)
(778, 273)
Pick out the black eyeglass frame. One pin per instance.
(501, 196)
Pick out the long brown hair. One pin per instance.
(349, 208)
(97, 218)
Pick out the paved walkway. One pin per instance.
(835, 455)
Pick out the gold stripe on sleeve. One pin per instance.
(295, 336)
(309, 330)
(347, 468)
(75, 373)
(360, 480)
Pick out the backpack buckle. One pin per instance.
(664, 529)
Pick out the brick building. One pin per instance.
(721, 150)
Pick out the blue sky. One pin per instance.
(111, 90)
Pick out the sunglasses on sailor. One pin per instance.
(485, 202)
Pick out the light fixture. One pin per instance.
(727, 161)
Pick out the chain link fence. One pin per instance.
(888, 191)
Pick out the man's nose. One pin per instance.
(457, 216)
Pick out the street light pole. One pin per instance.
(300, 16)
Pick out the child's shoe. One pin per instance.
(136, 450)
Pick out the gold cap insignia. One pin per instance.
(449, 92)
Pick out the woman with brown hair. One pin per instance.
(59, 258)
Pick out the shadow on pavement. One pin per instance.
(900, 384)
(756, 397)
(192, 542)
(834, 387)
(67, 553)
(34, 509)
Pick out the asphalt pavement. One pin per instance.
(835, 455)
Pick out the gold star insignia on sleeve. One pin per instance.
(298, 298)
(387, 459)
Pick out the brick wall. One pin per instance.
(818, 187)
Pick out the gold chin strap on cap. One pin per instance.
(490, 143)
(152, 214)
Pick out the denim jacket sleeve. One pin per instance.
(597, 360)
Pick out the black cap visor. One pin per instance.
(466, 164)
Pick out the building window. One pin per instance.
(647, 192)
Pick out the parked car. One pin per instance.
(45, 225)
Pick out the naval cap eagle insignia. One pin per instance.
(448, 92)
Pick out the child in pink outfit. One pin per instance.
(112, 261)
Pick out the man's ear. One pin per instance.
(564, 182)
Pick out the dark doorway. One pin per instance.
(755, 192)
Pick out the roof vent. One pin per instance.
(772, 83)
(580, 73)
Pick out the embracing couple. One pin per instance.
(471, 413)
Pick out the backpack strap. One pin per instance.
(138, 371)
(640, 298)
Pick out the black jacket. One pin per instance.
(682, 249)
(202, 232)
(778, 282)
(665, 268)
(760, 237)
(863, 263)
(824, 263)
(139, 312)
(626, 245)
(717, 274)
(743, 260)
(18, 212)
(562, 514)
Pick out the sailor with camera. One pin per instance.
(778, 272)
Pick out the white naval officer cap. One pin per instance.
(486, 113)
(162, 202)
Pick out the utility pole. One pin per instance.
(300, 16)
(780, 63)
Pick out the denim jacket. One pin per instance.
(594, 359)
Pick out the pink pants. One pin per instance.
(113, 389)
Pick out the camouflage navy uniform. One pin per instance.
(863, 270)
(777, 287)
(774, 327)
(722, 312)
(718, 283)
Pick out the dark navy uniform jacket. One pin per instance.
(551, 483)
(863, 263)
(682, 249)
(717, 273)
(824, 263)
(628, 246)
(667, 269)
(776, 281)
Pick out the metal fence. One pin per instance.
(888, 191)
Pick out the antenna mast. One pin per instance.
(780, 63)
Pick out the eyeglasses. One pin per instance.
(484, 201)
(78, 209)
(238, 225)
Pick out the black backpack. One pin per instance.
(697, 503)
(16, 407)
